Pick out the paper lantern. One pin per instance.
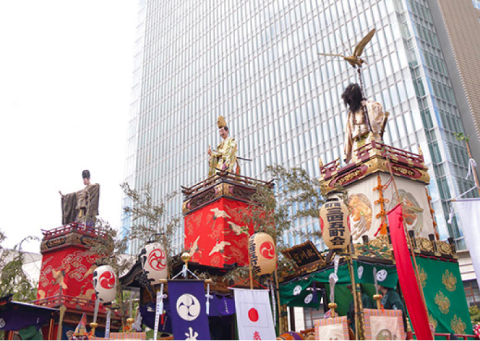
(334, 224)
(154, 262)
(261, 249)
(105, 283)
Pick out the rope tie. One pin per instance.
(471, 165)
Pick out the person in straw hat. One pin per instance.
(225, 157)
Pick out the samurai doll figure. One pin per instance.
(365, 121)
(225, 157)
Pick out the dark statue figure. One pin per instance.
(81, 206)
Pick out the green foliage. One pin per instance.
(112, 251)
(148, 218)
(474, 314)
(270, 212)
(267, 215)
(13, 279)
(462, 137)
(296, 186)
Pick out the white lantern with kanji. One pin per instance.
(334, 224)
(105, 283)
(154, 262)
(261, 250)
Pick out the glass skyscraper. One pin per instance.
(257, 63)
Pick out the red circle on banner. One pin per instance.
(253, 315)
(321, 224)
(107, 280)
(157, 260)
(267, 250)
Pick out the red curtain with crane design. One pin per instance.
(216, 235)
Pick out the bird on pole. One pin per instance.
(355, 60)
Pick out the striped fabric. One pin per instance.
(322, 325)
(123, 336)
(387, 324)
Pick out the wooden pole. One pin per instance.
(355, 296)
(279, 314)
(60, 322)
(50, 328)
(250, 273)
(292, 318)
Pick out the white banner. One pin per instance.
(254, 315)
(468, 210)
(107, 327)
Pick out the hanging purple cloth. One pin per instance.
(188, 310)
(148, 317)
(222, 305)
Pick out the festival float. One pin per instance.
(384, 275)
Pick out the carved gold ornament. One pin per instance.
(458, 325)
(442, 302)
(449, 280)
(444, 248)
(425, 244)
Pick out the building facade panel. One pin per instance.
(257, 64)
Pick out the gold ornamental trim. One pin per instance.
(347, 178)
(403, 170)
(424, 244)
(375, 165)
(380, 241)
(444, 248)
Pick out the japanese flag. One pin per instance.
(254, 315)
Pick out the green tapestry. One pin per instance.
(386, 275)
(307, 299)
(342, 273)
(291, 291)
(445, 297)
(295, 292)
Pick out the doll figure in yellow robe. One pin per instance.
(225, 157)
(365, 121)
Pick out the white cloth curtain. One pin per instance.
(468, 210)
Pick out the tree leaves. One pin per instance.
(13, 279)
(272, 210)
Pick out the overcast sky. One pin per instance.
(65, 81)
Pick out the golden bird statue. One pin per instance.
(355, 60)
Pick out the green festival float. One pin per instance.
(388, 250)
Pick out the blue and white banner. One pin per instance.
(254, 315)
(188, 310)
